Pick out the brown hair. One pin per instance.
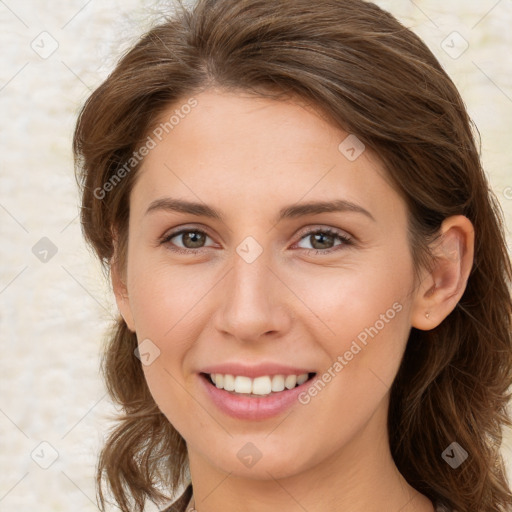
(376, 79)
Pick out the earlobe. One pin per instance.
(443, 286)
(121, 294)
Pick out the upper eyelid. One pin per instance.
(179, 231)
(337, 231)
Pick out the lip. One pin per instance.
(250, 407)
(255, 370)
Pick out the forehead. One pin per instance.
(239, 150)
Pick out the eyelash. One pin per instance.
(346, 241)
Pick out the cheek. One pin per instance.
(173, 396)
(362, 315)
(166, 304)
(369, 320)
(164, 297)
(346, 302)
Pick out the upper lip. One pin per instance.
(253, 371)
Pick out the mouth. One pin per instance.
(258, 387)
(254, 392)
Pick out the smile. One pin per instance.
(256, 398)
(259, 386)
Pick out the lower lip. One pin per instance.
(251, 407)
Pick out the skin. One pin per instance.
(248, 157)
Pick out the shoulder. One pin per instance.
(181, 503)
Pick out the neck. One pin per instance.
(359, 477)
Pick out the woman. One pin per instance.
(310, 268)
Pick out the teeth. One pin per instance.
(229, 381)
(243, 384)
(302, 378)
(290, 381)
(263, 385)
(278, 383)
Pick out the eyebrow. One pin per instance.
(288, 212)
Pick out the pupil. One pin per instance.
(319, 236)
(195, 238)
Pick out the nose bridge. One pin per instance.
(253, 299)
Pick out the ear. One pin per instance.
(121, 291)
(441, 288)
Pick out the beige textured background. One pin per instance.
(53, 314)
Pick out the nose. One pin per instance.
(253, 302)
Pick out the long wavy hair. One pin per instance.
(374, 78)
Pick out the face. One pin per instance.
(269, 287)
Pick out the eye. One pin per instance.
(191, 240)
(323, 240)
